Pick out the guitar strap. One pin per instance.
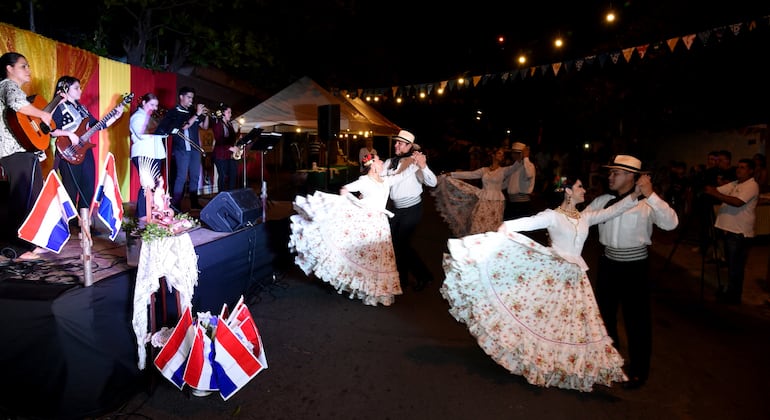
(72, 114)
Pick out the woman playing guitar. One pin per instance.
(79, 179)
(21, 166)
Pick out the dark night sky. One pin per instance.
(351, 44)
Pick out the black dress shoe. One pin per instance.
(633, 382)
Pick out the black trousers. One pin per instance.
(625, 286)
(25, 181)
(402, 227)
(80, 180)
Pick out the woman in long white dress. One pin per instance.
(468, 209)
(346, 241)
(531, 307)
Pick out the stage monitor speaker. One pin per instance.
(328, 121)
(233, 210)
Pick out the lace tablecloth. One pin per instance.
(173, 258)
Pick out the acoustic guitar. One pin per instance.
(75, 153)
(31, 132)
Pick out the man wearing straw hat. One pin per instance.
(622, 280)
(406, 198)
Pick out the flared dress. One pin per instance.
(346, 241)
(468, 209)
(530, 307)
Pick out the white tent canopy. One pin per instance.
(297, 106)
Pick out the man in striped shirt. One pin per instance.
(622, 279)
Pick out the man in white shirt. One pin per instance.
(521, 183)
(622, 279)
(735, 222)
(406, 199)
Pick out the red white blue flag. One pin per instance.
(243, 325)
(108, 198)
(171, 361)
(47, 225)
(199, 373)
(234, 363)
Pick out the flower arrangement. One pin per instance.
(152, 231)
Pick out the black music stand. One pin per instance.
(264, 143)
(243, 142)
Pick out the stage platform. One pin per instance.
(70, 350)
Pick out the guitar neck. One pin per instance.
(99, 125)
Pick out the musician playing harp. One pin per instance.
(226, 153)
(184, 121)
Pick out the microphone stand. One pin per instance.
(243, 142)
(265, 143)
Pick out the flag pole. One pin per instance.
(85, 243)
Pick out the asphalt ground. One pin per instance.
(331, 357)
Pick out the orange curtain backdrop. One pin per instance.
(114, 84)
(7, 38)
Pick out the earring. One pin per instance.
(568, 199)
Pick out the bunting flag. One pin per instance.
(47, 225)
(108, 199)
(171, 361)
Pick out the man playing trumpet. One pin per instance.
(184, 121)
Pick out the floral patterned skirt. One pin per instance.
(458, 204)
(533, 312)
(345, 245)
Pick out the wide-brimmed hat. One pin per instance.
(626, 163)
(407, 137)
(518, 146)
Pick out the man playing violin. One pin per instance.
(183, 122)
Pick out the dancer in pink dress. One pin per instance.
(345, 240)
(531, 307)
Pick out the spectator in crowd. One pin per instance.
(726, 170)
(735, 222)
(760, 172)
(520, 183)
(314, 152)
(368, 149)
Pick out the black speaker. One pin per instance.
(328, 121)
(229, 211)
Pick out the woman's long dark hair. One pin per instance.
(8, 59)
(560, 184)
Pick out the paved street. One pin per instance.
(334, 358)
